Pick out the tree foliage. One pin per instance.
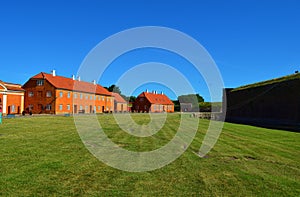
(114, 88)
(132, 98)
(190, 98)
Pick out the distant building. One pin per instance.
(153, 102)
(273, 103)
(186, 107)
(51, 94)
(120, 105)
(11, 98)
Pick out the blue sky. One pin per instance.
(250, 40)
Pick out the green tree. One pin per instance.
(132, 99)
(114, 88)
(190, 98)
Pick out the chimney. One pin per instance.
(94, 82)
(162, 93)
(73, 77)
(146, 90)
(53, 73)
(78, 78)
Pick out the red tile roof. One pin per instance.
(156, 98)
(60, 82)
(118, 98)
(12, 86)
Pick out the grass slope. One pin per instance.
(269, 82)
(44, 156)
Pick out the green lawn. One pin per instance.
(42, 156)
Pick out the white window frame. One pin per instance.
(49, 94)
(30, 94)
(40, 82)
(13, 108)
(48, 107)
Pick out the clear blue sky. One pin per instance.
(250, 40)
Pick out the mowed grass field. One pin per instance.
(44, 156)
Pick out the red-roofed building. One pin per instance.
(11, 98)
(51, 94)
(153, 102)
(120, 105)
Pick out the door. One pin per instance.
(91, 109)
(9, 109)
(102, 108)
(19, 110)
(40, 108)
(75, 109)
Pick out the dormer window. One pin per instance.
(40, 82)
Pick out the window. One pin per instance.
(99, 98)
(48, 94)
(48, 107)
(95, 98)
(80, 108)
(68, 107)
(95, 109)
(75, 95)
(86, 97)
(61, 94)
(30, 107)
(86, 108)
(30, 94)
(145, 106)
(141, 99)
(91, 97)
(99, 108)
(13, 108)
(69, 94)
(81, 96)
(102, 98)
(40, 82)
(60, 107)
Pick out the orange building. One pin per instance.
(11, 98)
(153, 102)
(120, 105)
(51, 94)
